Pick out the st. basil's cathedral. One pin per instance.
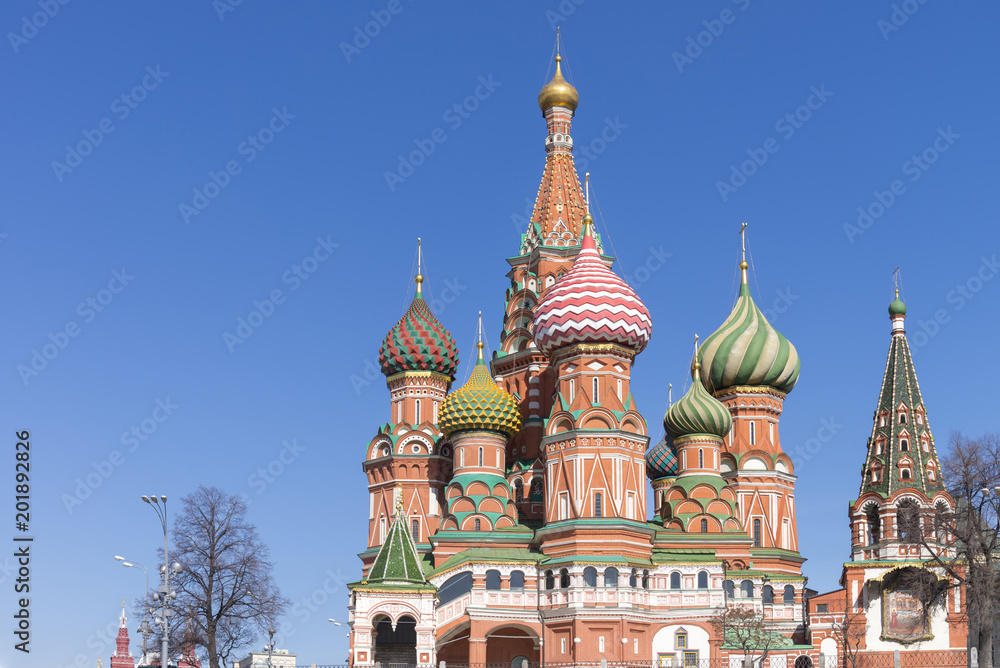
(508, 517)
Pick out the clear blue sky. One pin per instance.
(207, 84)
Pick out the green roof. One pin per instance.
(397, 561)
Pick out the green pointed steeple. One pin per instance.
(901, 452)
(397, 562)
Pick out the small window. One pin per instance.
(600, 644)
(704, 526)
(480, 456)
(595, 391)
(681, 640)
(753, 433)
(904, 445)
(415, 530)
(767, 594)
(611, 577)
(905, 474)
(756, 533)
(517, 580)
(620, 390)
(562, 645)
(747, 588)
(729, 589)
(550, 580)
(822, 607)
(563, 579)
(789, 596)
(920, 418)
(691, 659)
(572, 388)
(702, 579)
(478, 525)
(645, 579)
(493, 579)
(675, 580)
(598, 506)
(461, 457)
(418, 412)
(902, 418)
(701, 458)
(518, 491)
(590, 576)
(881, 420)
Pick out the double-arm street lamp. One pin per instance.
(270, 632)
(144, 629)
(164, 594)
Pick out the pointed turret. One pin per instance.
(122, 658)
(397, 562)
(901, 451)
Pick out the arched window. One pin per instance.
(746, 587)
(454, 587)
(729, 589)
(415, 530)
(381, 530)
(874, 525)
(518, 491)
(590, 576)
(596, 399)
(563, 579)
(478, 524)
(904, 445)
(701, 458)
(418, 411)
(704, 526)
(756, 532)
(517, 580)
(480, 456)
(767, 595)
(753, 433)
(803, 661)
(550, 580)
(904, 474)
(632, 578)
(908, 519)
(702, 579)
(492, 579)
(789, 595)
(902, 418)
(941, 522)
(610, 576)
(620, 390)
(461, 457)
(572, 389)
(598, 505)
(645, 579)
(675, 580)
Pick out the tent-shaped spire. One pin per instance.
(397, 561)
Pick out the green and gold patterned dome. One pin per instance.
(697, 412)
(747, 350)
(480, 404)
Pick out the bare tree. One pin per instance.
(850, 633)
(971, 537)
(743, 627)
(226, 592)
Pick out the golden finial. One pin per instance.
(399, 500)
(558, 92)
(479, 343)
(420, 277)
(697, 364)
(743, 248)
(586, 191)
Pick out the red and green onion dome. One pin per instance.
(591, 304)
(697, 412)
(480, 404)
(748, 351)
(661, 460)
(418, 342)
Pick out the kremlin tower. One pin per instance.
(122, 658)
(508, 518)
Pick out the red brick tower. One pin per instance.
(122, 658)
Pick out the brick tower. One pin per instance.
(122, 658)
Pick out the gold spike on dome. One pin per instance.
(558, 92)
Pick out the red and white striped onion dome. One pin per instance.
(591, 304)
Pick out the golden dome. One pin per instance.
(558, 92)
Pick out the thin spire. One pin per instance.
(670, 394)
(420, 277)
(696, 365)
(479, 343)
(558, 57)
(743, 254)
(586, 191)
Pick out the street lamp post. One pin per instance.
(270, 632)
(144, 629)
(164, 593)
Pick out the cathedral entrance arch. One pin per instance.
(396, 645)
(510, 645)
